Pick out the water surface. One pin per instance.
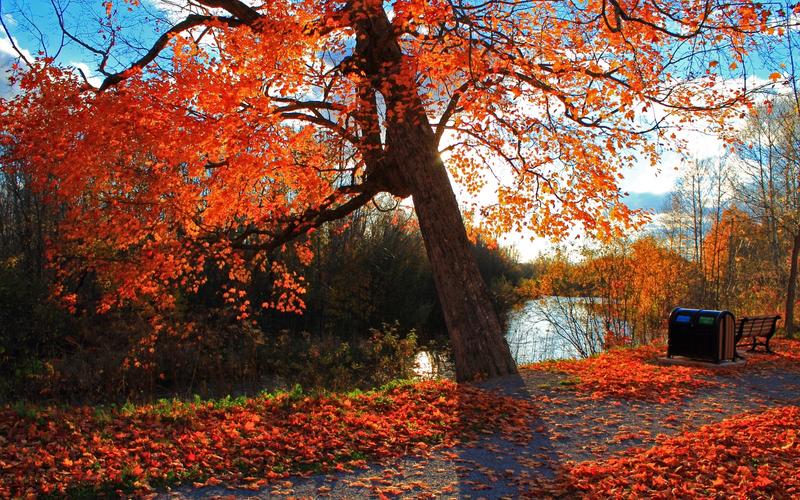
(542, 329)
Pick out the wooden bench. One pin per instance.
(756, 327)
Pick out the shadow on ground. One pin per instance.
(568, 428)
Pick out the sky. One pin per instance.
(647, 187)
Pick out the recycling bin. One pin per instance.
(701, 334)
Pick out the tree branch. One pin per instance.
(190, 22)
(11, 41)
(239, 9)
(104, 54)
(450, 110)
(320, 120)
(310, 219)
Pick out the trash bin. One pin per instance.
(701, 334)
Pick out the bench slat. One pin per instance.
(755, 327)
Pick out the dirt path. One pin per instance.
(570, 427)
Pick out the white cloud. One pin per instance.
(701, 141)
(644, 178)
(6, 47)
(176, 10)
(9, 57)
(9, 20)
(527, 245)
(173, 10)
(90, 75)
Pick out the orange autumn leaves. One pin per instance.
(786, 356)
(255, 442)
(249, 443)
(634, 373)
(749, 456)
(629, 280)
(157, 181)
(629, 374)
(754, 455)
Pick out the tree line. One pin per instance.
(728, 238)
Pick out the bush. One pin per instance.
(331, 363)
(390, 355)
(31, 330)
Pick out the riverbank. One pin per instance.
(561, 429)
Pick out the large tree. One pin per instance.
(243, 126)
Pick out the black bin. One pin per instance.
(701, 334)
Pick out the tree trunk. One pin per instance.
(791, 289)
(411, 164)
(476, 334)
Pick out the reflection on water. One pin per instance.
(434, 364)
(546, 328)
(555, 328)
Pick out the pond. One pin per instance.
(542, 329)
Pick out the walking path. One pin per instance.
(613, 426)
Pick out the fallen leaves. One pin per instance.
(621, 410)
(785, 356)
(630, 374)
(635, 374)
(262, 439)
(753, 455)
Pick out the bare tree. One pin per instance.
(770, 187)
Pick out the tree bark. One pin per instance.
(791, 289)
(476, 335)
